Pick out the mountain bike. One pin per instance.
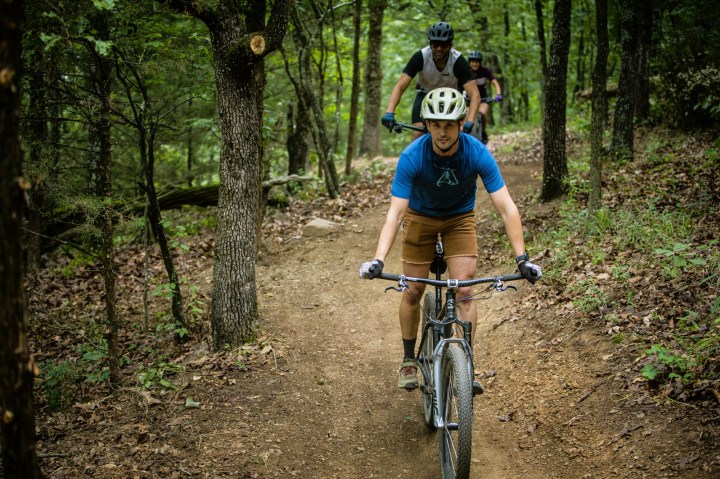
(445, 361)
(477, 129)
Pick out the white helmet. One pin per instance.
(443, 104)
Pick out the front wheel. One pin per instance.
(456, 434)
(428, 312)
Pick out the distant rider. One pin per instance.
(437, 65)
(484, 75)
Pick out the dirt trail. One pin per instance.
(318, 399)
(332, 408)
(328, 405)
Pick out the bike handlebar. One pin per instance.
(452, 283)
(399, 127)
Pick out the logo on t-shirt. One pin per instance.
(447, 178)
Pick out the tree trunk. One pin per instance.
(623, 128)
(298, 126)
(370, 140)
(599, 107)
(355, 93)
(146, 127)
(240, 81)
(156, 223)
(100, 158)
(305, 89)
(190, 151)
(580, 67)
(35, 135)
(645, 24)
(543, 50)
(17, 370)
(240, 96)
(554, 155)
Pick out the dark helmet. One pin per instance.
(441, 32)
(475, 55)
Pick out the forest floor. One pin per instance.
(316, 395)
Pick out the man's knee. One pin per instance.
(412, 297)
(464, 292)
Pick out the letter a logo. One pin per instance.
(447, 178)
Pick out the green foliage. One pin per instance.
(681, 257)
(57, 382)
(666, 363)
(157, 376)
(687, 56)
(59, 378)
(591, 298)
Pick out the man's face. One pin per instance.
(440, 50)
(444, 133)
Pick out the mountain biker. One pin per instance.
(437, 65)
(483, 75)
(434, 192)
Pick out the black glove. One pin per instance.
(388, 120)
(529, 271)
(371, 269)
(467, 126)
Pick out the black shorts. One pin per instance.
(419, 97)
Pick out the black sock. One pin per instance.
(409, 347)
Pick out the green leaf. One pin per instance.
(49, 40)
(715, 306)
(104, 4)
(649, 371)
(168, 384)
(680, 261)
(680, 247)
(103, 47)
(189, 403)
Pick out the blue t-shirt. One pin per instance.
(443, 186)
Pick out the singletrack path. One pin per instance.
(332, 408)
(328, 405)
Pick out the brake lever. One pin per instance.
(500, 287)
(402, 286)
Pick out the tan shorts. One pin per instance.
(420, 234)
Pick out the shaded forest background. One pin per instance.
(131, 108)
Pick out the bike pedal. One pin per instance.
(411, 388)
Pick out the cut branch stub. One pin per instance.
(257, 44)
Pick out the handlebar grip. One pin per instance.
(513, 277)
(390, 276)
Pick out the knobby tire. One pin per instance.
(456, 444)
(428, 311)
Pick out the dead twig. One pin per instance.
(592, 389)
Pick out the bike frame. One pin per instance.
(438, 329)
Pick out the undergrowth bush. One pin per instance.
(643, 251)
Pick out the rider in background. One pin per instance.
(434, 192)
(437, 65)
(483, 75)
